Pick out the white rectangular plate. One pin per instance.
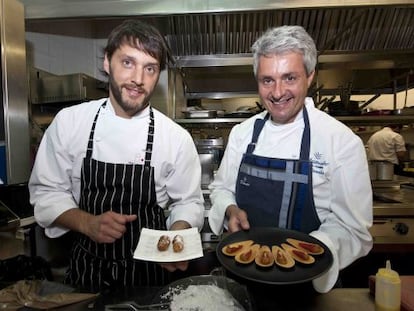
(147, 246)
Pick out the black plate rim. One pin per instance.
(323, 262)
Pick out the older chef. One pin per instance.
(108, 168)
(293, 166)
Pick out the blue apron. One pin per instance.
(277, 192)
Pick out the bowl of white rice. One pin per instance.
(205, 293)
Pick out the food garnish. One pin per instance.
(248, 254)
(310, 248)
(235, 248)
(298, 254)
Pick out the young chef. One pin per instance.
(110, 167)
(293, 166)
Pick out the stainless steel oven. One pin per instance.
(210, 151)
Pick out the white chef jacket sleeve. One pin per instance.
(223, 188)
(399, 143)
(183, 185)
(345, 228)
(326, 282)
(50, 184)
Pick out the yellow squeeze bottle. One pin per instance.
(387, 289)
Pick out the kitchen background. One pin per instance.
(367, 57)
(63, 47)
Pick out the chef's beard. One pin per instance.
(131, 108)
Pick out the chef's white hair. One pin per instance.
(285, 39)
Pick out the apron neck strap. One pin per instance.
(305, 148)
(305, 145)
(150, 139)
(92, 132)
(258, 126)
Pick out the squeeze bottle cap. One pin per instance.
(387, 289)
(389, 274)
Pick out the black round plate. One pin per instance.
(274, 275)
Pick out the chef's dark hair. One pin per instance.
(142, 36)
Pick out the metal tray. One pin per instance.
(200, 114)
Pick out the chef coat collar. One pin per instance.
(299, 117)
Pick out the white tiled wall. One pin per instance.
(65, 55)
(62, 55)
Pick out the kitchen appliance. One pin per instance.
(14, 115)
(391, 230)
(210, 151)
(393, 213)
(47, 88)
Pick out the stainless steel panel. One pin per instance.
(393, 230)
(209, 142)
(75, 8)
(200, 114)
(207, 168)
(14, 91)
(48, 88)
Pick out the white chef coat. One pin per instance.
(341, 183)
(384, 145)
(55, 180)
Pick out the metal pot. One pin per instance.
(381, 170)
(372, 170)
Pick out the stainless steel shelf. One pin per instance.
(376, 120)
(221, 95)
(351, 120)
(348, 120)
(210, 120)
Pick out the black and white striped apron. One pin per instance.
(125, 189)
(277, 192)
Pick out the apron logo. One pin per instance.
(317, 155)
(318, 163)
(244, 182)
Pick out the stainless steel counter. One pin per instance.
(339, 299)
(394, 201)
(393, 212)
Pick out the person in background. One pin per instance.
(110, 167)
(388, 145)
(294, 166)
